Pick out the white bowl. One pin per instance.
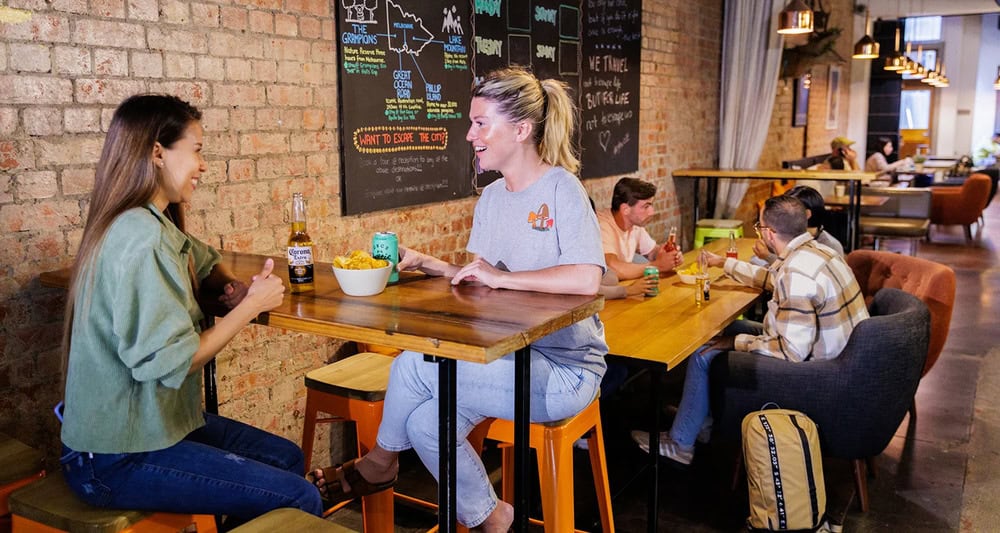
(687, 278)
(363, 282)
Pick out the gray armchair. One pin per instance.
(858, 399)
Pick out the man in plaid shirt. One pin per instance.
(816, 304)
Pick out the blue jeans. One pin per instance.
(410, 415)
(693, 409)
(223, 468)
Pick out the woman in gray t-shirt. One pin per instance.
(533, 230)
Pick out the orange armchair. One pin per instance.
(961, 205)
(933, 283)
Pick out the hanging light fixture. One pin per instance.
(910, 66)
(943, 79)
(866, 47)
(896, 60)
(920, 71)
(996, 84)
(795, 18)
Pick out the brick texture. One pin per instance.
(264, 73)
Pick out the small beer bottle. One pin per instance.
(300, 249)
(672, 239)
(732, 251)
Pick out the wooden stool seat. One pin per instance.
(290, 520)
(48, 505)
(553, 442)
(20, 464)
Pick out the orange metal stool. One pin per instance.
(49, 506)
(553, 442)
(20, 464)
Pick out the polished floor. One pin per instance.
(941, 472)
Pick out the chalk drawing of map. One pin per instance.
(407, 33)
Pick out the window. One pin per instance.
(923, 29)
(915, 110)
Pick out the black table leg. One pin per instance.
(447, 444)
(208, 373)
(522, 421)
(653, 505)
(854, 210)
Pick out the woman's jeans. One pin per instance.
(223, 468)
(410, 416)
(693, 409)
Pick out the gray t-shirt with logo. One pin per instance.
(548, 224)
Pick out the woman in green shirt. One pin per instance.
(134, 433)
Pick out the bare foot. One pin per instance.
(499, 520)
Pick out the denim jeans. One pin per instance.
(693, 409)
(223, 468)
(410, 415)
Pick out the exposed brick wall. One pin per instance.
(264, 74)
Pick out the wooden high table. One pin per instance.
(854, 180)
(663, 330)
(430, 316)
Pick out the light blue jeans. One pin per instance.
(410, 415)
(694, 406)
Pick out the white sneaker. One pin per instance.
(668, 448)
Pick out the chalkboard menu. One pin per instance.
(405, 78)
(543, 35)
(609, 87)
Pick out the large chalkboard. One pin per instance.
(609, 87)
(405, 78)
(543, 35)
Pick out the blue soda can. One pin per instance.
(385, 245)
(652, 272)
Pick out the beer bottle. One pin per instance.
(732, 251)
(300, 249)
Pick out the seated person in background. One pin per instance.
(816, 213)
(611, 290)
(842, 157)
(622, 234)
(815, 305)
(878, 161)
(989, 153)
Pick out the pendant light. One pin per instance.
(910, 66)
(920, 71)
(866, 47)
(795, 18)
(943, 79)
(896, 60)
(996, 84)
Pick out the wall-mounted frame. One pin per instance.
(800, 101)
(833, 97)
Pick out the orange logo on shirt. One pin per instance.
(540, 221)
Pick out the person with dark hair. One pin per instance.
(134, 434)
(816, 213)
(816, 303)
(534, 230)
(878, 161)
(842, 156)
(623, 235)
(989, 153)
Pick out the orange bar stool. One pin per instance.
(553, 442)
(290, 520)
(20, 464)
(49, 506)
(352, 389)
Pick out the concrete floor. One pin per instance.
(941, 473)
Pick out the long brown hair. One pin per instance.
(126, 177)
(546, 104)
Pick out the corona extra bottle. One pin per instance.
(300, 249)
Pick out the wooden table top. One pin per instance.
(668, 327)
(822, 175)
(427, 315)
(866, 200)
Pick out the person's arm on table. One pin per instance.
(560, 279)
(410, 259)
(741, 271)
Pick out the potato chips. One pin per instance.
(693, 270)
(358, 260)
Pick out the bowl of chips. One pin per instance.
(361, 275)
(689, 275)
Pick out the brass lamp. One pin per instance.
(866, 47)
(896, 60)
(919, 71)
(910, 66)
(795, 18)
(996, 84)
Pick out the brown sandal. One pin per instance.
(334, 478)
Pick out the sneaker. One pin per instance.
(668, 448)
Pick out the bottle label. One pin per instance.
(300, 264)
